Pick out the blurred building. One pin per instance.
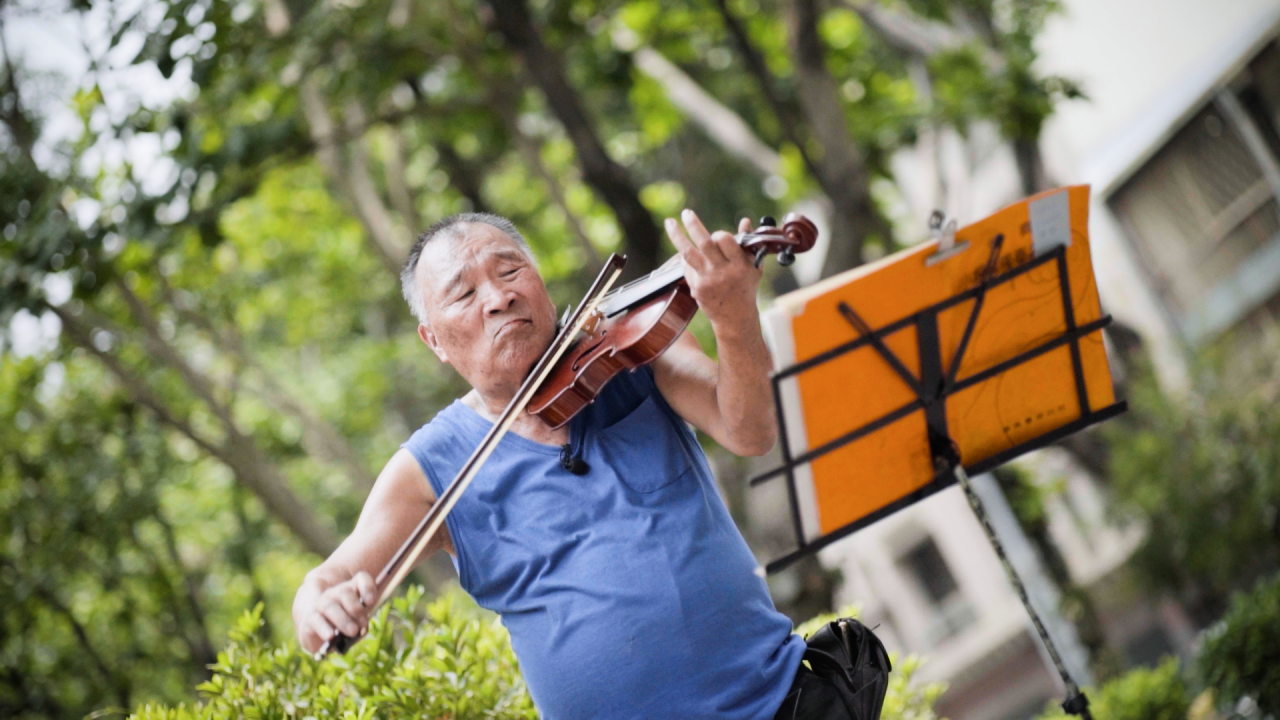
(1180, 139)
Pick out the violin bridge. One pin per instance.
(593, 321)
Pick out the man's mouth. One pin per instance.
(512, 325)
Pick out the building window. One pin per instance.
(1204, 211)
(924, 566)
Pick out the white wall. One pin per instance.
(1130, 56)
(1144, 65)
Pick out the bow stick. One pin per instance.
(407, 556)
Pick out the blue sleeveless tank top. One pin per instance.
(628, 591)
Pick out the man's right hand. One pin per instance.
(329, 600)
(342, 607)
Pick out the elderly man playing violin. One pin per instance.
(626, 587)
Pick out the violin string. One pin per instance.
(740, 238)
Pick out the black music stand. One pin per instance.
(931, 390)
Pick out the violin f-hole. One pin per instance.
(588, 350)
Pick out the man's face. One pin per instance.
(489, 315)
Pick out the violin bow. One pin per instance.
(407, 556)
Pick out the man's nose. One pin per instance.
(498, 300)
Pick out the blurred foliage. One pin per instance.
(1202, 472)
(1238, 663)
(1158, 693)
(122, 553)
(445, 659)
(215, 358)
(1241, 655)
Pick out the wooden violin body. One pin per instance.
(639, 321)
(622, 343)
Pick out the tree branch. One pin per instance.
(842, 171)
(790, 120)
(910, 33)
(401, 197)
(320, 438)
(363, 193)
(511, 18)
(724, 126)
(23, 130)
(838, 170)
(237, 451)
(201, 646)
(353, 182)
(531, 153)
(167, 354)
(504, 98)
(242, 553)
(119, 683)
(462, 175)
(141, 394)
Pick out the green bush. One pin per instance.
(1242, 654)
(451, 661)
(1201, 471)
(1140, 694)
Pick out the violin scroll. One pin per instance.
(797, 235)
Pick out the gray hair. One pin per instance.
(449, 229)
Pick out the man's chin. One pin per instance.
(520, 347)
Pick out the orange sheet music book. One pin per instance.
(1032, 366)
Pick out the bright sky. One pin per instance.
(56, 48)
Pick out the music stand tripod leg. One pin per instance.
(1076, 703)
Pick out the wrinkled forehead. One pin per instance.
(456, 251)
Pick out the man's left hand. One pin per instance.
(728, 398)
(721, 275)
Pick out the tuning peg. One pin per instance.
(786, 257)
(768, 221)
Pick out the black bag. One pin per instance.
(852, 659)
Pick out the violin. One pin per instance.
(636, 323)
(607, 333)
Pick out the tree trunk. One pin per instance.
(511, 18)
(1031, 172)
(350, 174)
(464, 178)
(841, 168)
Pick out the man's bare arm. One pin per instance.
(720, 399)
(730, 400)
(339, 594)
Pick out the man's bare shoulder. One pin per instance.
(403, 478)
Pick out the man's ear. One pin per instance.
(428, 337)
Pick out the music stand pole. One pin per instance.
(1076, 702)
